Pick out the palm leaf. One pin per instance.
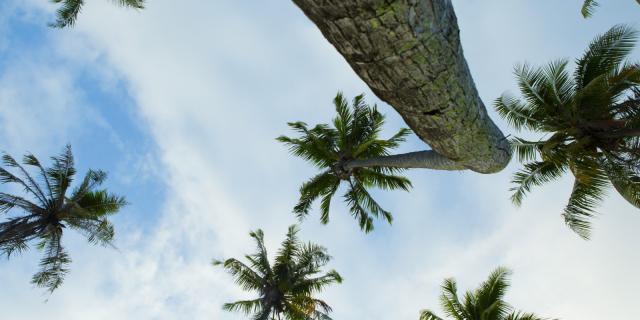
(534, 174)
(605, 54)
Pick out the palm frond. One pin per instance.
(522, 316)
(53, 266)
(450, 301)
(8, 201)
(605, 54)
(61, 173)
(98, 203)
(244, 276)
(31, 160)
(490, 293)
(588, 192)
(374, 178)
(534, 174)
(27, 182)
(244, 306)
(588, 8)
(362, 206)
(428, 315)
(68, 12)
(322, 185)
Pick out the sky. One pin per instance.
(181, 104)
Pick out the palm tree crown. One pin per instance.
(51, 210)
(592, 123)
(354, 136)
(286, 288)
(69, 10)
(484, 303)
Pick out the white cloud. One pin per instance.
(215, 82)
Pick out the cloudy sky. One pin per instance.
(181, 103)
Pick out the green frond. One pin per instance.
(289, 248)
(588, 8)
(69, 10)
(8, 202)
(489, 295)
(531, 82)
(428, 315)
(244, 306)
(624, 180)
(362, 206)
(588, 191)
(375, 178)
(245, 277)
(534, 174)
(526, 150)
(450, 301)
(522, 316)
(518, 114)
(98, 204)
(605, 54)
(325, 203)
(53, 266)
(27, 182)
(31, 160)
(322, 185)
(558, 85)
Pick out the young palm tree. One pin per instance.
(485, 303)
(350, 152)
(592, 123)
(590, 5)
(287, 287)
(50, 210)
(69, 10)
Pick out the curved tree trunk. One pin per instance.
(409, 53)
(421, 159)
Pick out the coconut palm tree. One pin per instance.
(51, 210)
(69, 10)
(591, 119)
(348, 152)
(287, 287)
(484, 303)
(590, 5)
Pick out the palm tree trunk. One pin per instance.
(409, 53)
(421, 159)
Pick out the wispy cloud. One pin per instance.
(214, 83)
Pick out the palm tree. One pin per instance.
(348, 152)
(590, 5)
(51, 210)
(287, 287)
(485, 303)
(592, 123)
(69, 10)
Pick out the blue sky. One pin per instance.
(181, 104)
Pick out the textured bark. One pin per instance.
(409, 53)
(421, 159)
